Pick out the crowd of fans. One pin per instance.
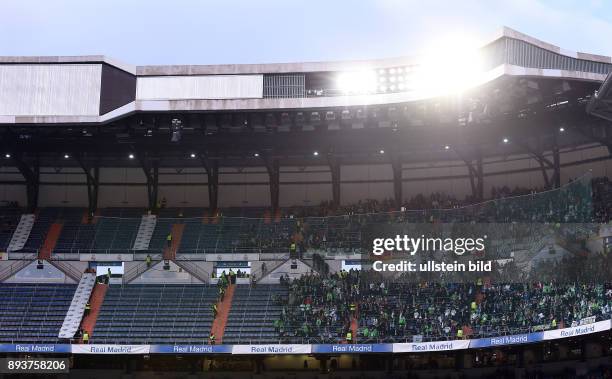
(332, 308)
(319, 307)
(330, 229)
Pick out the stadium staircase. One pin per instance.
(145, 232)
(53, 235)
(77, 306)
(177, 236)
(355, 325)
(88, 323)
(223, 309)
(21, 233)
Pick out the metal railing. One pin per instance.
(139, 269)
(66, 269)
(15, 267)
(194, 270)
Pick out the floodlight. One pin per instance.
(437, 75)
(357, 82)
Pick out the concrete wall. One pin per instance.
(50, 90)
(48, 274)
(199, 87)
(157, 274)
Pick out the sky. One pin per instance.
(146, 32)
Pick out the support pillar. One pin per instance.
(32, 179)
(92, 175)
(396, 165)
(334, 165)
(273, 167)
(151, 171)
(476, 177)
(212, 173)
(556, 167)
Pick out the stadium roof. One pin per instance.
(512, 95)
(98, 89)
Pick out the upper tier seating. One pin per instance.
(44, 219)
(236, 235)
(162, 228)
(114, 231)
(9, 219)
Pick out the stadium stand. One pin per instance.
(33, 312)
(151, 314)
(162, 229)
(9, 218)
(75, 237)
(318, 308)
(253, 312)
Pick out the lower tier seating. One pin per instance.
(33, 312)
(254, 310)
(156, 314)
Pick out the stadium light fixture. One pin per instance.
(381, 151)
(192, 155)
(446, 147)
(66, 156)
(448, 67)
(561, 129)
(357, 82)
(505, 140)
(131, 156)
(315, 153)
(256, 155)
(7, 155)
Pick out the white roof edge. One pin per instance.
(515, 34)
(186, 105)
(69, 59)
(291, 67)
